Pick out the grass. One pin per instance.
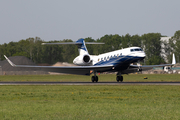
(89, 102)
(102, 78)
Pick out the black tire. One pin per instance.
(118, 78)
(92, 78)
(96, 78)
(121, 78)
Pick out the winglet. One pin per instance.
(173, 59)
(11, 63)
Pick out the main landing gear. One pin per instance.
(94, 78)
(119, 77)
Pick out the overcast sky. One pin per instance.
(74, 19)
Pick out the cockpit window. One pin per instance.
(137, 49)
(132, 50)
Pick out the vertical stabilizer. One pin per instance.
(173, 59)
(81, 47)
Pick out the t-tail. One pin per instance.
(81, 47)
(80, 43)
(84, 58)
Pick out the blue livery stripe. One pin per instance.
(119, 60)
(81, 44)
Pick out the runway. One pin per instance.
(89, 83)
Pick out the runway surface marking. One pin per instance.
(89, 83)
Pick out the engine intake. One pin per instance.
(82, 60)
(86, 58)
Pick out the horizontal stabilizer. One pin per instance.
(93, 43)
(72, 43)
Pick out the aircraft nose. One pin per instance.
(143, 55)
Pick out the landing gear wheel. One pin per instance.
(96, 78)
(119, 78)
(93, 78)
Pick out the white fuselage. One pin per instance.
(131, 53)
(123, 56)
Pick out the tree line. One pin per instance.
(150, 43)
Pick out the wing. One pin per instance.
(149, 66)
(79, 70)
(136, 68)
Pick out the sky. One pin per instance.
(74, 19)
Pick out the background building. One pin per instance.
(164, 47)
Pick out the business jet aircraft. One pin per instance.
(119, 61)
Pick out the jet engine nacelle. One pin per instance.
(83, 60)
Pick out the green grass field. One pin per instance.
(102, 77)
(89, 102)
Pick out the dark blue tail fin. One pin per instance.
(81, 47)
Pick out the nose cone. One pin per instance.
(141, 55)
